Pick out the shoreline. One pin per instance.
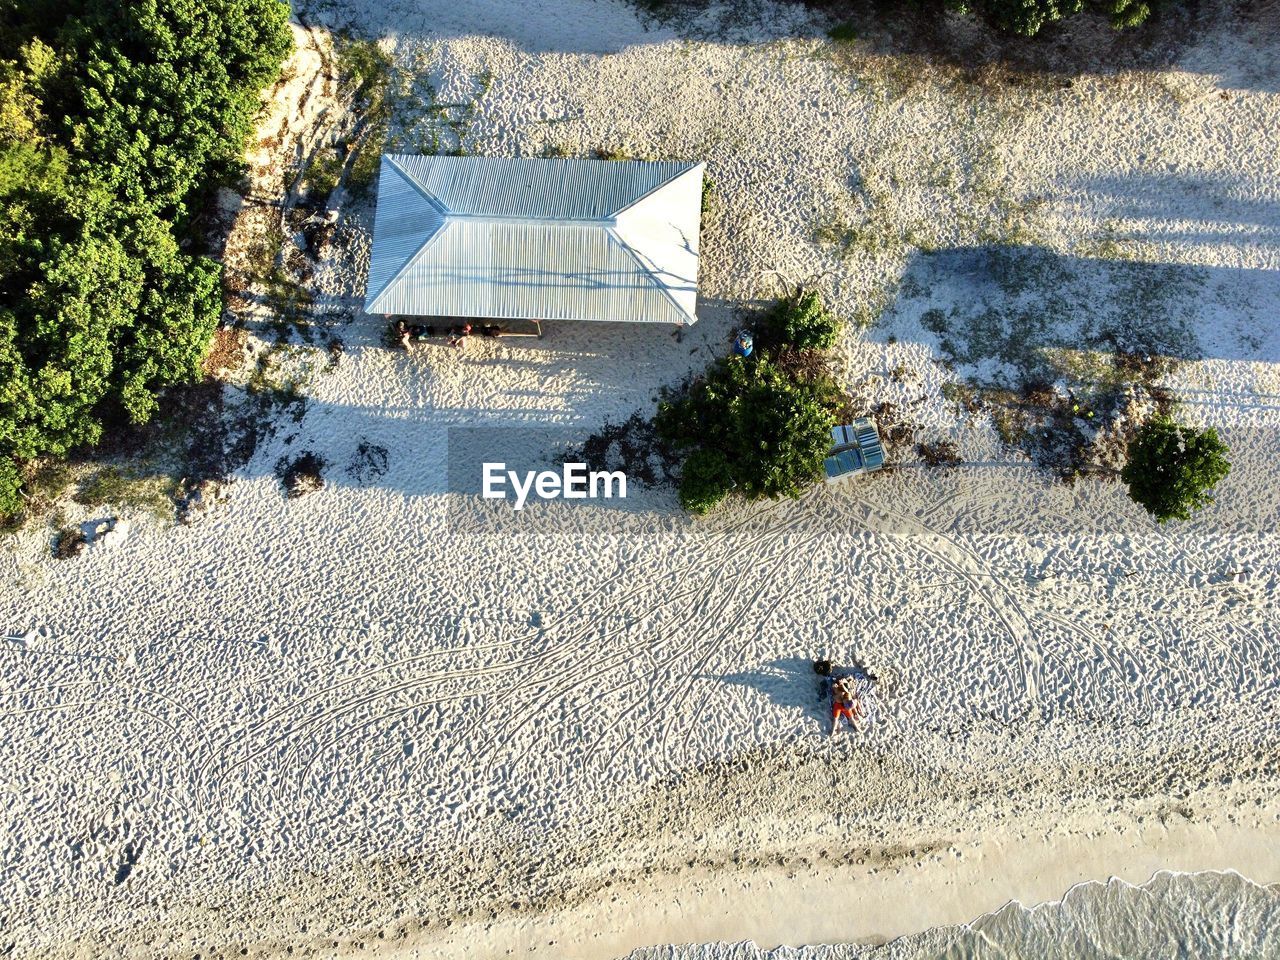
(774, 907)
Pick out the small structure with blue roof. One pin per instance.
(855, 449)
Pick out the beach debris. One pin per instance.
(301, 475)
(68, 542)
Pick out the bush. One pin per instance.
(704, 481)
(302, 475)
(10, 490)
(68, 542)
(770, 430)
(1029, 17)
(802, 321)
(1172, 469)
(127, 116)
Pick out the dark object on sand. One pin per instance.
(822, 668)
(68, 543)
(300, 476)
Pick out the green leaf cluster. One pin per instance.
(1172, 469)
(117, 119)
(1029, 17)
(749, 426)
(802, 321)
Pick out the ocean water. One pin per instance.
(1196, 916)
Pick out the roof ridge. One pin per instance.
(648, 272)
(412, 181)
(413, 258)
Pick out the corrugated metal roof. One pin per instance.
(536, 239)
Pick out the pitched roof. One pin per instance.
(536, 239)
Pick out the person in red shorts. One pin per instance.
(845, 702)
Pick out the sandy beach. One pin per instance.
(389, 718)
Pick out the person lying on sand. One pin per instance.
(846, 701)
(408, 333)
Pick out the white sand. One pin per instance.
(862, 904)
(284, 725)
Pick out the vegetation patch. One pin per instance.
(301, 475)
(68, 542)
(121, 120)
(112, 486)
(633, 446)
(1017, 19)
(759, 425)
(369, 462)
(800, 322)
(1172, 469)
(1064, 355)
(941, 453)
(366, 69)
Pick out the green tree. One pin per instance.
(802, 321)
(119, 117)
(752, 427)
(1029, 17)
(1172, 469)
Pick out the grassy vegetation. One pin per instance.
(366, 70)
(116, 487)
(323, 175)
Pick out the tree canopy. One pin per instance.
(116, 119)
(759, 425)
(1172, 469)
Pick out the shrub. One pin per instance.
(1029, 17)
(802, 321)
(131, 114)
(843, 33)
(10, 490)
(704, 481)
(302, 475)
(771, 430)
(68, 542)
(1172, 469)
(944, 453)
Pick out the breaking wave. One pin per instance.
(1173, 915)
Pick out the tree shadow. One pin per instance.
(1189, 36)
(1067, 354)
(1235, 40)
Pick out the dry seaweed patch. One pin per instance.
(301, 475)
(226, 351)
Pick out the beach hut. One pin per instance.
(536, 239)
